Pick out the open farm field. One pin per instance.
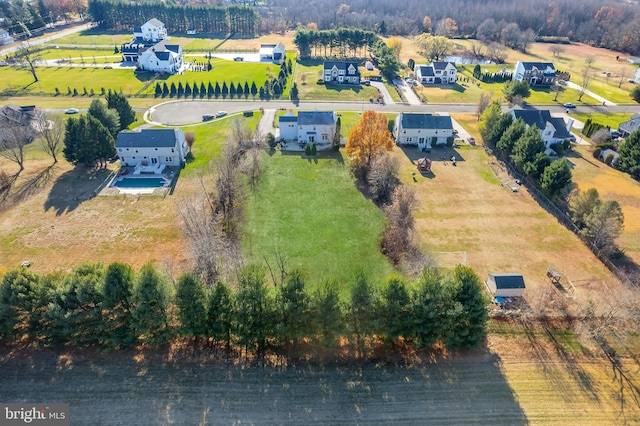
(536, 377)
(612, 185)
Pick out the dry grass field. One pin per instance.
(612, 185)
(466, 208)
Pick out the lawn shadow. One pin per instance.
(18, 188)
(438, 154)
(74, 187)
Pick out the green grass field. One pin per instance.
(306, 74)
(94, 36)
(310, 210)
(610, 119)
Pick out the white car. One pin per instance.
(72, 111)
(221, 114)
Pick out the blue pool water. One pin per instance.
(150, 182)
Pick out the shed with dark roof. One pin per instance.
(505, 285)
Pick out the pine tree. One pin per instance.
(254, 90)
(158, 90)
(247, 90)
(187, 89)
(18, 293)
(109, 117)
(327, 314)
(428, 308)
(191, 302)
(150, 318)
(210, 91)
(116, 306)
(220, 314)
(294, 322)
(395, 311)
(225, 90)
(217, 91)
(362, 313)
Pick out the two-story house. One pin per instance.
(309, 127)
(535, 73)
(151, 150)
(161, 57)
(423, 130)
(436, 73)
(151, 31)
(341, 72)
(552, 129)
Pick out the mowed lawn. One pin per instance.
(306, 73)
(310, 211)
(95, 36)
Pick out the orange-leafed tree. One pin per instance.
(369, 139)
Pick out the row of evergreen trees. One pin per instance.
(525, 148)
(115, 308)
(590, 127)
(124, 16)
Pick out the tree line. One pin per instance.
(114, 308)
(124, 16)
(347, 43)
(609, 24)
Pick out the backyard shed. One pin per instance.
(505, 285)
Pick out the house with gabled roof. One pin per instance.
(151, 31)
(627, 127)
(272, 52)
(161, 57)
(436, 73)
(423, 130)
(341, 72)
(552, 129)
(151, 150)
(309, 127)
(535, 73)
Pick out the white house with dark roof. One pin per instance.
(423, 130)
(535, 73)
(151, 31)
(341, 72)
(436, 73)
(309, 127)
(161, 57)
(552, 129)
(627, 127)
(151, 150)
(272, 52)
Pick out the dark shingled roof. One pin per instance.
(508, 280)
(147, 138)
(173, 47)
(542, 66)
(341, 66)
(315, 117)
(288, 119)
(137, 29)
(163, 56)
(425, 121)
(426, 71)
(533, 117)
(561, 128)
(442, 65)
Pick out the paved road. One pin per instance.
(41, 40)
(178, 113)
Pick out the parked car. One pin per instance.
(238, 59)
(472, 141)
(365, 82)
(568, 105)
(221, 114)
(615, 134)
(72, 111)
(108, 67)
(207, 117)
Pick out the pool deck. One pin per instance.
(127, 173)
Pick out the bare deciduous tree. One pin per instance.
(587, 76)
(483, 103)
(383, 178)
(556, 49)
(623, 76)
(51, 131)
(26, 56)
(497, 53)
(14, 138)
(477, 50)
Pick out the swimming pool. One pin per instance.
(142, 182)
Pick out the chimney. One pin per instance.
(570, 124)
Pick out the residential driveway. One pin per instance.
(266, 123)
(409, 94)
(604, 101)
(383, 89)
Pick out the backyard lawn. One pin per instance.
(306, 74)
(310, 211)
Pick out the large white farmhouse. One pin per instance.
(436, 73)
(535, 73)
(151, 31)
(341, 72)
(423, 130)
(161, 57)
(309, 127)
(151, 150)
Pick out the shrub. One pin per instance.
(307, 149)
(57, 91)
(635, 93)
(558, 148)
(450, 140)
(608, 159)
(314, 149)
(596, 153)
(271, 140)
